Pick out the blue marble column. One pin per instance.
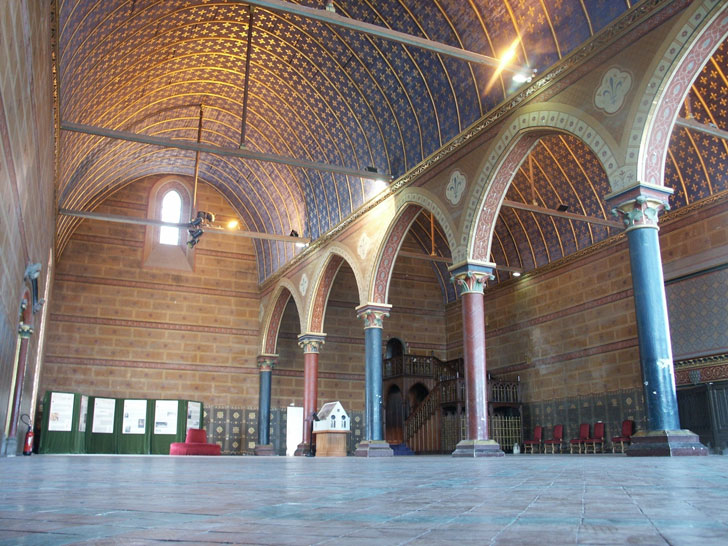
(374, 445)
(265, 366)
(639, 207)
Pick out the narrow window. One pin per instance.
(171, 212)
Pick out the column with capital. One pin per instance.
(266, 363)
(638, 208)
(310, 343)
(469, 279)
(374, 444)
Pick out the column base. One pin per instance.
(264, 450)
(373, 448)
(304, 450)
(665, 443)
(478, 448)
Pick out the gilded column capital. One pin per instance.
(373, 314)
(640, 205)
(470, 277)
(310, 342)
(266, 363)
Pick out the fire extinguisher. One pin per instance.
(28, 446)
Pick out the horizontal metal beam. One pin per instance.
(702, 127)
(445, 260)
(208, 229)
(333, 18)
(241, 153)
(566, 215)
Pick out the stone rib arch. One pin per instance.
(431, 203)
(511, 147)
(272, 321)
(389, 249)
(668, 86)
(335, 257)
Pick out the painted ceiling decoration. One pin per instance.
(318, 93)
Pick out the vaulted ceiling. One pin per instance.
(321, 93)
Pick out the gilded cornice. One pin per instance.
(632, 20)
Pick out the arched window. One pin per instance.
(171, 212)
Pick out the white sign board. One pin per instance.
(103, 422)
(84, 414)
(60, 417)
(165, 416)
(135, 417)
(194, 409)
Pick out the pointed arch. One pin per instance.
(705, 29)
(335, 257)
(272, 321)
(510, 149)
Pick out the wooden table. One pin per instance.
(331, 443)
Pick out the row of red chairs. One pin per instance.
(583, 442)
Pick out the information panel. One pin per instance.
(103, 422)
(61, 412)
(194, 409)
(135, 417)
(84, 414)
(165, 416)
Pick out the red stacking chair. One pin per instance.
(537, 439)
(626, 437)
(596, 440)
(557, 437)
(583, 437)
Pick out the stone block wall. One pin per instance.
(27, 219)
(118, 328)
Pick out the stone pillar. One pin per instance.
(469, 279)
(374, 444)
(639, 207)
(311, 343)
(266, 363)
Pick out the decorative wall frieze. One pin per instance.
(373, 314)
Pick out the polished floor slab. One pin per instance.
(521, 499)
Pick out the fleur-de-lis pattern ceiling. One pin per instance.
(316, 92)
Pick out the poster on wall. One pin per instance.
(135, 417)
(84, 412)
(165, 417)
(103, 422)
(60, 417)
(193, 414)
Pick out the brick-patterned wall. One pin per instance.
(569, 330)
(120, 329)
(27, 221)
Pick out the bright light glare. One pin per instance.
(507, 57)
(379, 185)
(520, 77)
(232, 224)
(301, 245)
(516, 273)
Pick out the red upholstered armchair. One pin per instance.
(596, 440)
(583, 437)
(195, 444)
(557, 438)
(626, 437)
(537, 439)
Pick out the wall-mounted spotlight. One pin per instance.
(562, 207)
(32, 272)
(293, 233)
(207, 217)
(195, 234)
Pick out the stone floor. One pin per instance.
(522, 499)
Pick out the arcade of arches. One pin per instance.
(492, 258)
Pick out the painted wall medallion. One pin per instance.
(365, 244)
(610, 94)
(303, 285)
(456, 187)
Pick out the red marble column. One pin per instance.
(311, 343)
(470, 280)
